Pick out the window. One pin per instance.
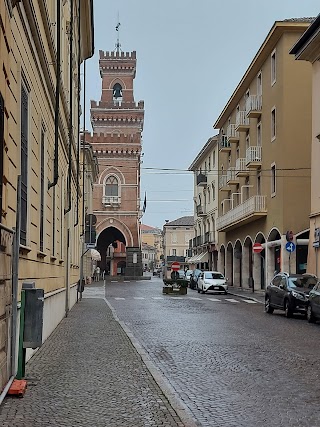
(213, 192)
(273, 124)
(1, 149)
(259, 140)
(259, 184)
(273, 68)
(24, 163)
(111, 186)
(247, 188)
(238, 151)
(273, 180)
(42, 187)
(174, 238)
(247, 141)
(259, 84)
(208, 195)
(213, 159)
(174, 252)
(209, 164)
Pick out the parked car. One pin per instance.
(212, 281)
(289, 292)
(313, 309)
(181, 274)
(188, 274)
(194, 278)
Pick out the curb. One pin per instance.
(245, 297)
(167, 389)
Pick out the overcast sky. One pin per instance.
(191, 55)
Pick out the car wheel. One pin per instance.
(267, 307)
(310, 315)
(226, 292)
(287, 310)
(198, 289)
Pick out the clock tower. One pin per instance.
(117, 122)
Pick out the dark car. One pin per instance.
(289, 292)
(194, 278)
(313, 309)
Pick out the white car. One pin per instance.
(212, 281)
(188, 274)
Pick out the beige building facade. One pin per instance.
(42, 45)
(307, 48)
(153, 236)
(203, 247)
(264, 164)
(176, 237)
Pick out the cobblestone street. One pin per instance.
(89, 374)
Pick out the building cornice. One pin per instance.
(307, 47)
(209, 146)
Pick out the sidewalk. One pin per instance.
(89, 374)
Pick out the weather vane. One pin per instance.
(118, 44)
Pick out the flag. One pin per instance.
(117, 26)
(144, 203)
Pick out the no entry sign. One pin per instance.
(257, 248)
(175, 266)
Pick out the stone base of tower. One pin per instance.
(134, 262)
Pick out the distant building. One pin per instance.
(176, 237)
(153, 237)
(148, 256)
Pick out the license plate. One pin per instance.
(216, 287)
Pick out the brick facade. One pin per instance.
(117, 122)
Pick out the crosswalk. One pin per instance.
(229, 300)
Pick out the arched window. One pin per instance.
(112, 187)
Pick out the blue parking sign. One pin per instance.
(290, 247)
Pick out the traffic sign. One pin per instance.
(290, 247)
(175, 266)
(257, 248)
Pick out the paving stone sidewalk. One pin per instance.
(88, 373)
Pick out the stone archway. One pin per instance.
(229, 264)
(110, 258)
(222, 261)
(247, 264)
(259, 264)
(237, 271)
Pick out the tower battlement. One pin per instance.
(117, 55)
(129, 105)
(112, 138)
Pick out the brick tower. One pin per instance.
(117, 122)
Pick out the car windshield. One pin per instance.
(303, 282)
(210, 275)
(188, 272)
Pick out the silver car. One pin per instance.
(212, 281)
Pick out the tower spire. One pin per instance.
(118, 44)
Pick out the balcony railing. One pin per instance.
(222, 181)
(111, 200)
(232, 134)
(209, 237)
(242, 121)
(255, 206)
(199, 241)
(231, 174)
(201, 210)
(253, 154)
(254, 105)
(201, 179)
(224, 143)
(241, 168)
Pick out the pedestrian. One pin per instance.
(97, 274)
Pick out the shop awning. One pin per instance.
(203, 257)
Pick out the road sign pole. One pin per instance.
(289, 263)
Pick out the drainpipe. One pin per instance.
(56, 112)
(78, 130)
(71, 109)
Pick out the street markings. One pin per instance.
(138, 298)
(214, 299)
(231, 300)
(119, 298)
(249, 301)
(157, 297)
(194, 298)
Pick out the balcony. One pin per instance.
(242, 121)
(111, 201)
(209, 237)
(231, 176)
(241, 168)
(197, 241)
(201, 211)
(224, 144)
(248, 211)
(223, 185)
(232, 134)
(201, 180)
(253, 157)
(254, 106)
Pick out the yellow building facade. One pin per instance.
(42, 45)
(264, 164)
